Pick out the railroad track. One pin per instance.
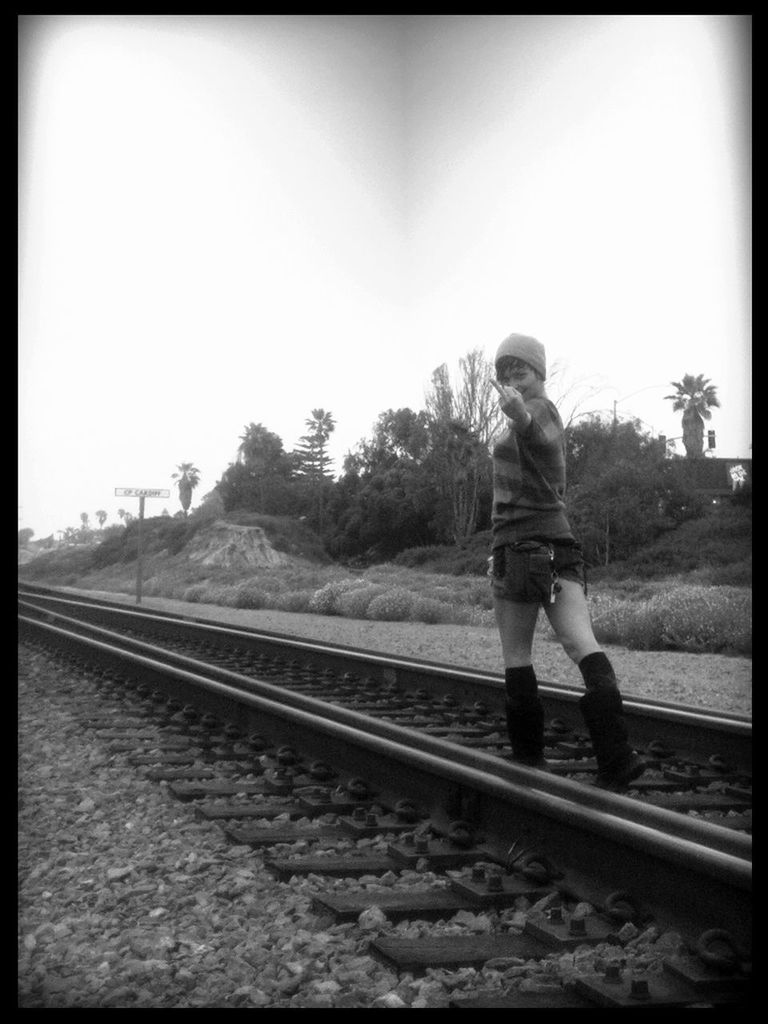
(461, 804)
(699, 761)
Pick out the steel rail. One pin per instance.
(600, 848)
(726, 721)
(692, 727)
(681, 827)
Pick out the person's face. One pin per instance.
(517, 374)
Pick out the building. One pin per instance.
(715, 478)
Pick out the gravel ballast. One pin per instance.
(127, 899)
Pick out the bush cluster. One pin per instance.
(684, 617)
(432, 611)
(325, 600)
(354, 603)
(468, 558)
(717, 545)
(250, 595)
(391, 606)
(293, 601)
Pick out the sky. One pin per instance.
(238, 219)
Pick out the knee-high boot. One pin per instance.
(525, 716)
(601, 707)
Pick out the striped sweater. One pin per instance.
(529, 479)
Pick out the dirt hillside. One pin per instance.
(238, 547)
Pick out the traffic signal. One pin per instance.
(710, 439)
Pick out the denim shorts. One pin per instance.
(529, 571)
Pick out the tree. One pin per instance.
(570, 394)
(313, 461)
(312, 453)
(85, 533)
(259, 448)
(400, 434)
(101, 515)
(621, 491)
(475, 402)
(259, 480)
(694, 396)
(385, 499)
(25, 536)
(462, 423)
(439, 401)
(187, 479)
(380, 513)
(459, 465)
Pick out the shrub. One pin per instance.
(480, 594)
(155, 586)
(465, 559)
(721, 537)
(353, 603)
(293, 601)
(176, 535)
(225, 596)
(59, 566)
(428, 555)
(682, 618)
(461, 615)
(707, 619)
(195, 593)
(428, 609)
(324, 601)
(737, 574)
(391, 606)
(250, 595)
(110, 550)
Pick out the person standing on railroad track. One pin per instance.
(537, 562)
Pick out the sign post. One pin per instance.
(141, 493)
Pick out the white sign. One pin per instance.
(738, 477)
(140, 492)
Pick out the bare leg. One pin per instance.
(569, 617)
(516, 622)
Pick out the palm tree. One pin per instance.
(101, 515)
(695, 396)
(187, 479)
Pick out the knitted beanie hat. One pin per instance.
(531, 351)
